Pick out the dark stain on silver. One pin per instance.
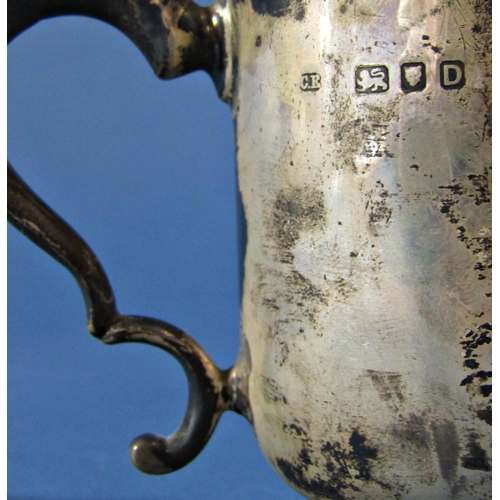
(358, 458)
(388, 385)
(482, 184)
(471, 363)
(485, 415)
(242, 238)
(459, 485)
(360, 455)
(379, 210)
(343, 466)
(282, 356)
(481, 375)
(482, 40)
(270, 303)
(450, 200)
(300, 11)
(435, 49)
(435, 11)
(447, 448)
(304, 288)
(343, 8)
(206, 51)
(476, 188)
(474, 339)
(297, 429)
(476, 458)
(412, 432)
(480, 246)
(272, 392)
(486, 390)
(280, 8)
(316, 486)
(295, 211)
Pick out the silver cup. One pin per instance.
(363, 136)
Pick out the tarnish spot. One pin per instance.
(317, 486)
(304, 288)
(477, 187)
(476, 338)
(299, 209)
(486, 390)
(482, 40)
(361, 453)
(412, 431)
(280, 8)
(295, 211)
(474, 383)
(471, 363)
(354, 463)
(379, 210)
(482, 191)
(447, 449)
(473, 340)
(459, 485)
(476, 458)
(294, 429)
(282, 355)
(388, 385)
(485, 414)
(272, 392)
(343, 466)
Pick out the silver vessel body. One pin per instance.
(364, 160)
(363, 139)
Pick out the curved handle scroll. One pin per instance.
(176, 36)
(207, 384)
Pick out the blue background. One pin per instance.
(144, 169)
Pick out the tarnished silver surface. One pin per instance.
(363, 146)
(363, 132)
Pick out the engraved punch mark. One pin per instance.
(311, 82)
(452, 75)
(413, 77)
(372, 79)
